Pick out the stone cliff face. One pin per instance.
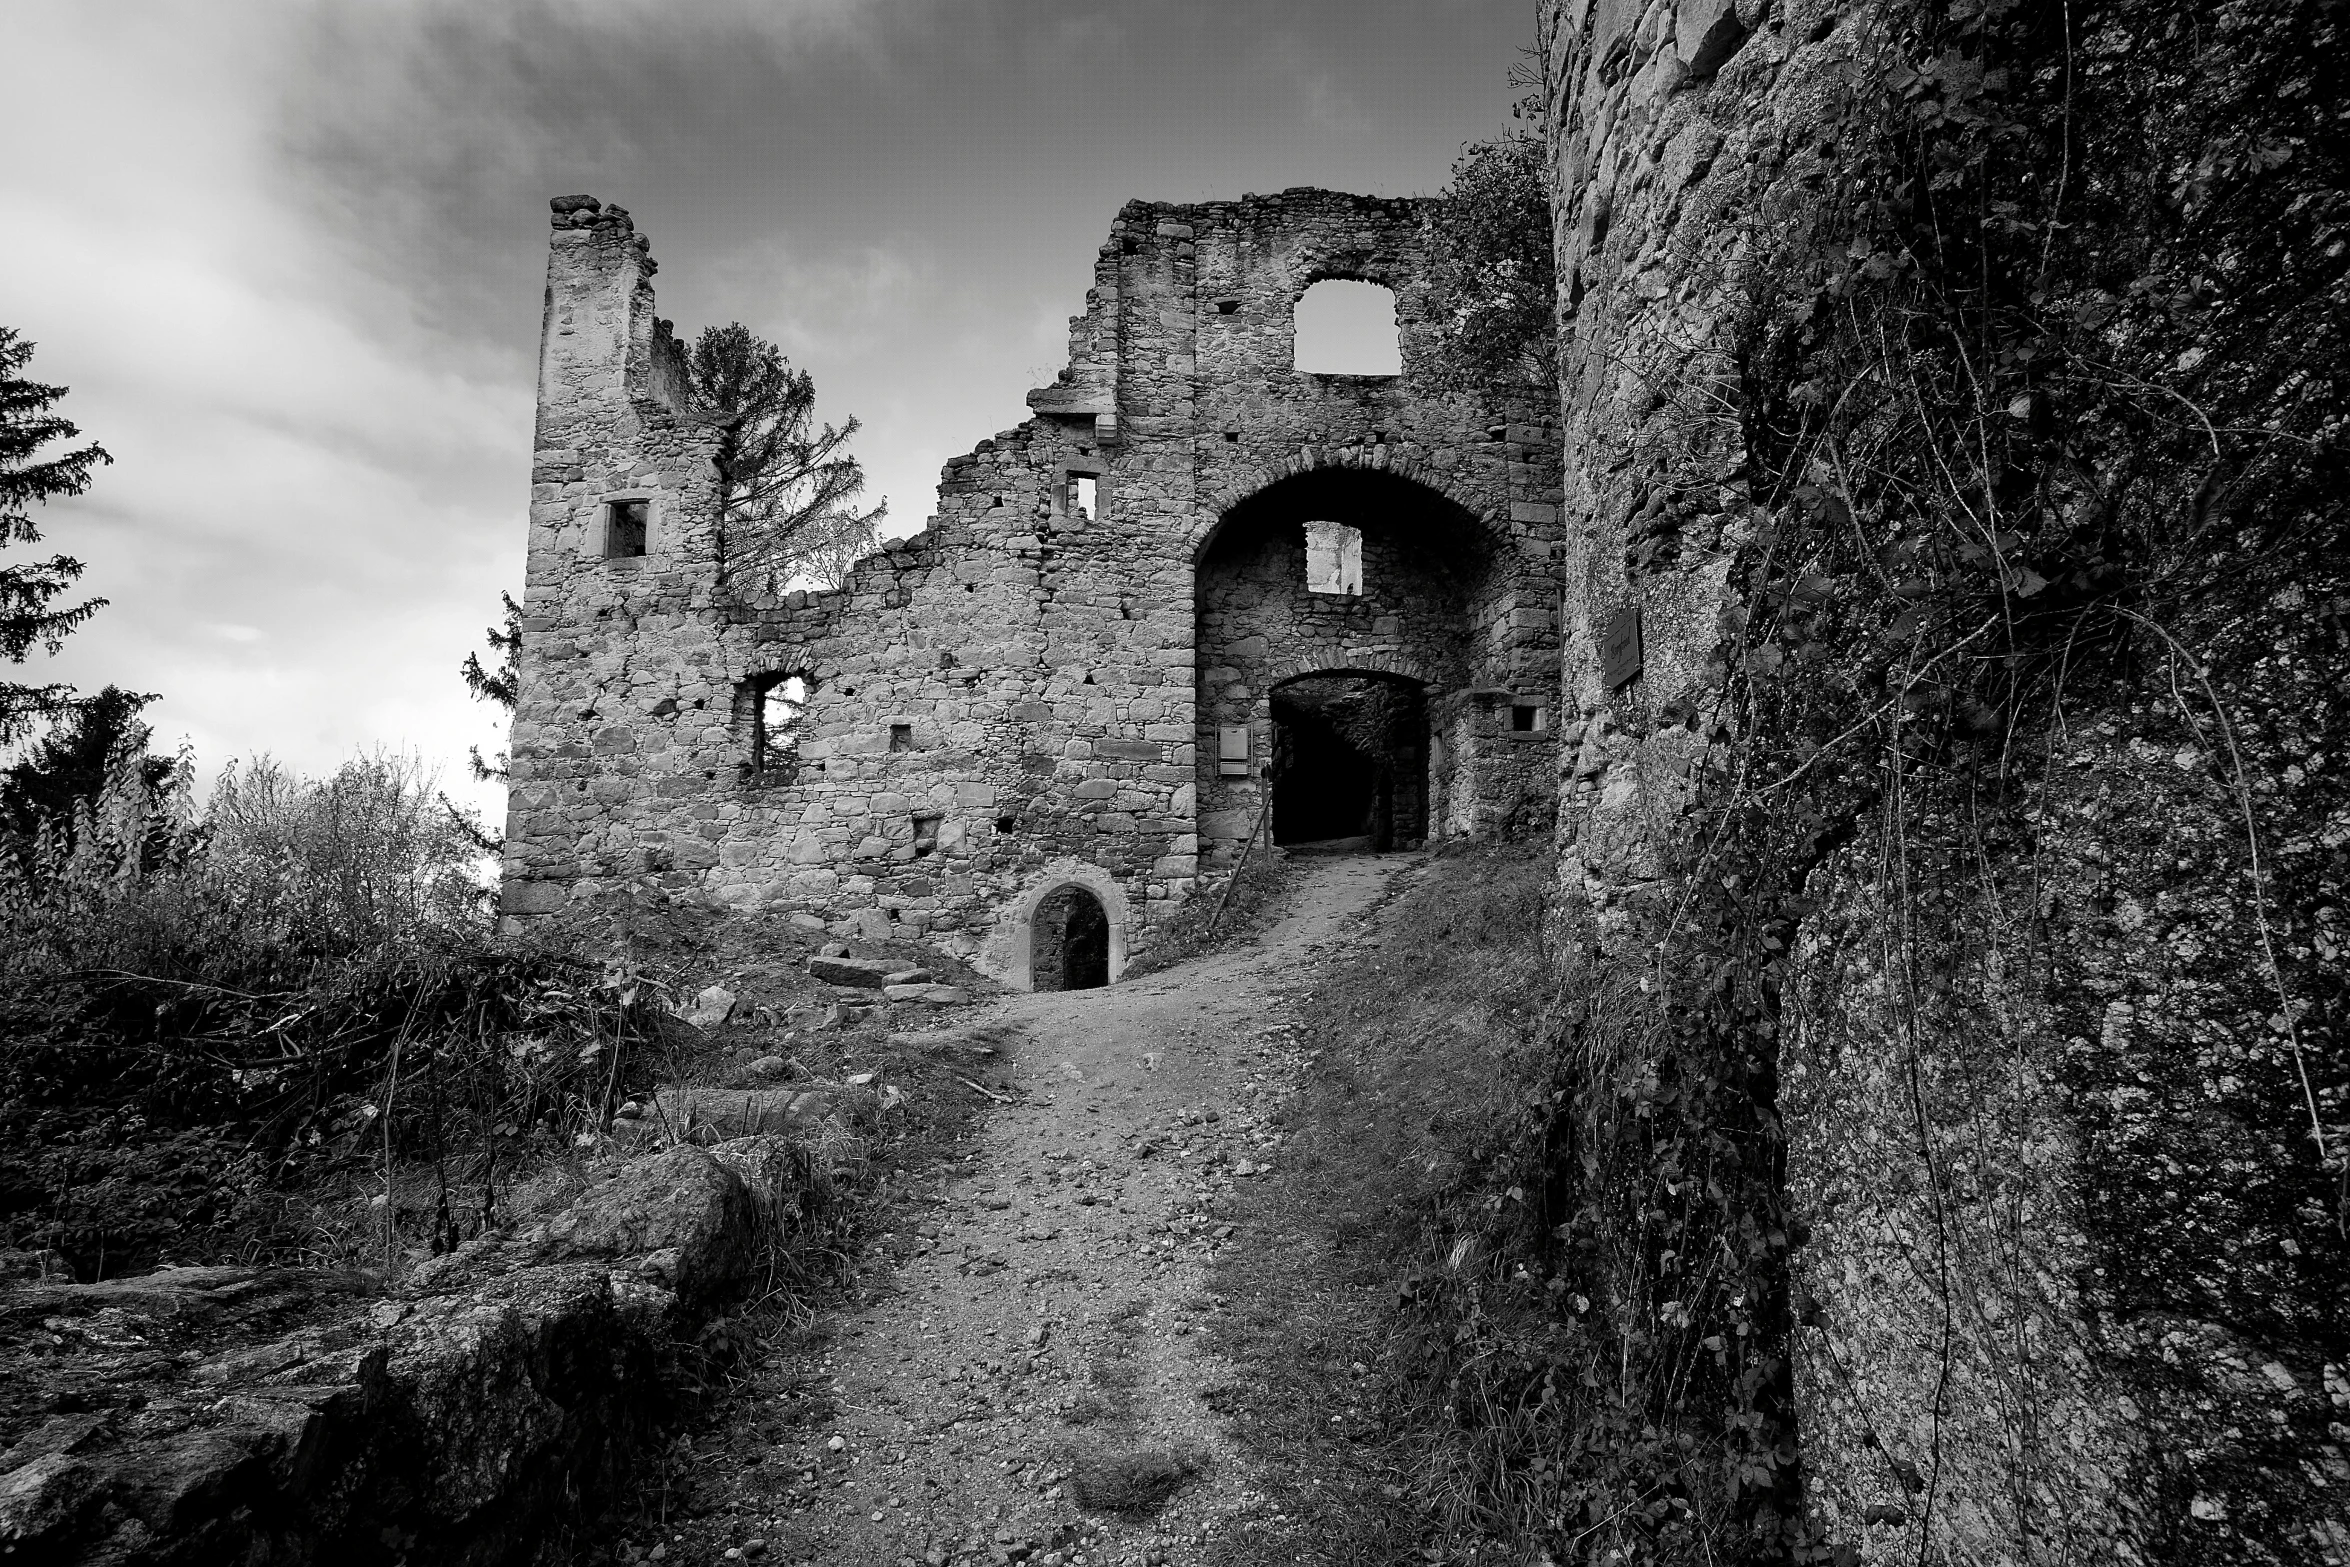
(1027, 694)
(2047, 1017)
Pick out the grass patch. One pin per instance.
(1260, 890)
(1418, 1043)
(1132, 1485)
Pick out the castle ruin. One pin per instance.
(1078, 673)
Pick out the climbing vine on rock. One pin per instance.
(2013, 784)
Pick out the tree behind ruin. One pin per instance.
(791, 491)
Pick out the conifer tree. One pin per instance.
(69, 763)
(497, 685)
(791, 489)
(28, 588)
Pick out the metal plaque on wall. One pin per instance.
(1232, 751)
(1619, 649)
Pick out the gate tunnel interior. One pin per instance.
(1069, 942)
(1322, 597)
(1350, 761)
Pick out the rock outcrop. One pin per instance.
(264, 1416)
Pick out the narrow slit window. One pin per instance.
(901, 737)
(1334, 559)
(624, 528)
(926, 834)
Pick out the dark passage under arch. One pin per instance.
(1069, 942)
(1352, 759)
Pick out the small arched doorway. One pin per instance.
(1069, 941)
(1350, 762)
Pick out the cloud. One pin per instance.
(292, 456)
(289, 259)
(831, 307)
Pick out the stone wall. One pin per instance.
(2033, 1326)
(1016, 690)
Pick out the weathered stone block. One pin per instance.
(850, 971)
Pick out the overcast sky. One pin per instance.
(289, 257)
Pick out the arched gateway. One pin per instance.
(1190, 550)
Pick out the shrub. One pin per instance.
(207, 1011)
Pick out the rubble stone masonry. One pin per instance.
(1021, 696)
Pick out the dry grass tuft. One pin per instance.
(1132, 1484)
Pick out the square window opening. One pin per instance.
(1525, 719)
(625, 528)
(1006, 825)
(1334, 559)
(901, 737)
(926, 834)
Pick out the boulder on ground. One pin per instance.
(850, 971)
(711, 1008)
(682, 1201)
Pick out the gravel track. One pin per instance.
(1029, 1376)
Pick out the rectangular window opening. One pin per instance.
(926, 834)
(1525, 719)
(901, 737)
(1083, 499)
(777, 703)
(624, 529)
(1334, 559)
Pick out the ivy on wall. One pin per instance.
(2036, 416)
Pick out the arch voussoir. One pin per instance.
(1380, 459)
(1349, 661)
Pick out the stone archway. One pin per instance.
(1069, 941)
(1009, 956)
(1250, 483)
(1431, 576)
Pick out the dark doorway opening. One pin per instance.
(1069, 942)
(1351, 762)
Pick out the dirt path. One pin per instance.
(1042, 1338)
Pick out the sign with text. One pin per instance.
(1619, 649)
